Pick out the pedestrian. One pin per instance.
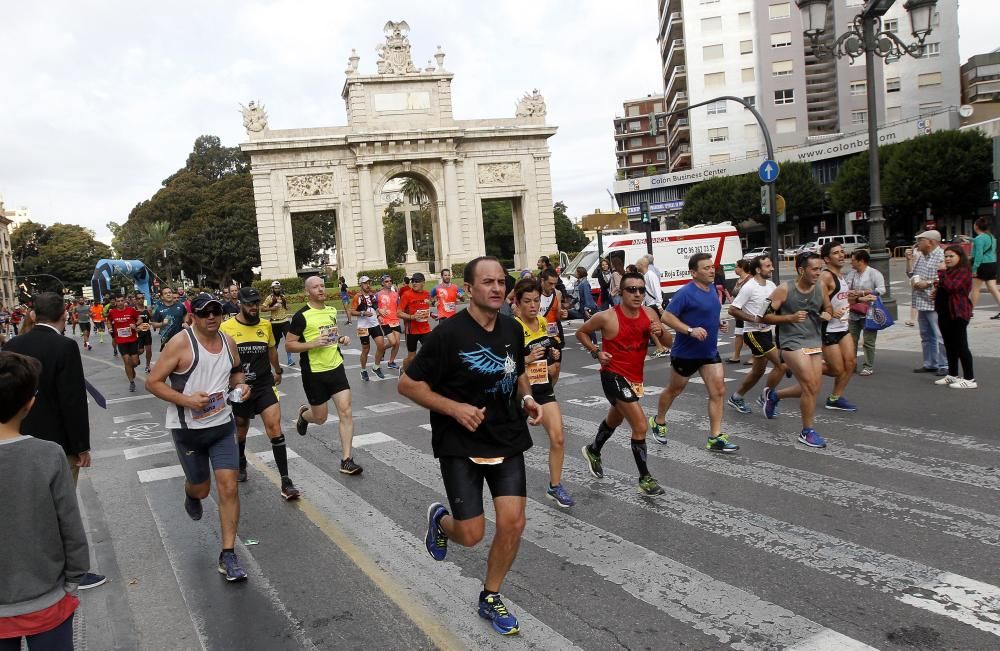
(912, 253)
(984, 263)
(45, 554)
(617, 272)
(60, 411)
(470, 374)
(693, 313)
(604, 274)
(313, 333)
(720, 285)
(654, 299)
(345, 298)
(204, 369)
(866, 283)
(924, 272)
(276, 305)
(742, 270)
(954, 309)
(586, 307)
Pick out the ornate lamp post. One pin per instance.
(867, 38)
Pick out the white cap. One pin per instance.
(276, 284)
(364, 279)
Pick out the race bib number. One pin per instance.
(638, 388)
(449, 307)
(487, 461)
(124, 333)
(216, 402)
(330, 332)
(538, 372)
(362, 332)
(423, 315)
(552, 330)
(812, 351)
(144, 327)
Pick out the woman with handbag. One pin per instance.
(604, 274)
(984, 263)
(865, 284)
(954, 309)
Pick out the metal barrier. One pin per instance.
(900, 251)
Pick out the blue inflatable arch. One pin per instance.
(133, 269)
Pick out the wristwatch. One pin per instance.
(280, 371)
(526, 397)
(595, 353)
(690, 330)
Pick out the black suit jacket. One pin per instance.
(60, 411)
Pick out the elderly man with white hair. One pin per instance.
(653, 299)
(924, 274)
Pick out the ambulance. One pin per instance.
(671, 251)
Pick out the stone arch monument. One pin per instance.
(400, 123)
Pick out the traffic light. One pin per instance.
(644, 211)
(653, 128)
(995, 190)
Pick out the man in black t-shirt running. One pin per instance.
(470, 374)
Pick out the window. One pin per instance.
(716, 159)
(661, 155)
(745, 22)
(781, 68)
(929, 79)
(785, 125)
(718, 135)
(859, 88)
(711, 25)
(893, 113)
(859, 117)
(781, 39)
(786, 96)
(637, 159)
(752, 153)
(777, 12)
(931, 50)
(930, 107)
(892, 85)
(635, 142)
(891, 25)
(633, 111)
(657, 107)
(715, 79)
(747, 74)
(751, 131)
(717, 108)
(660, 140)
(751, 100)
(746, 47)
(712, 52)
(634, 125)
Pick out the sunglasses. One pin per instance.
(208, 311)
(634, 289)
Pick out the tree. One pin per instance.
(67, 251)
(212, 161)
(569, 237)
(394, 230)
(498, 228)
(413, 191)
(802, 192)
(24, 242)
(851, 190)
(312, 232)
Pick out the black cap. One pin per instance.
(249, 294)
(417, 277)
(203, 299)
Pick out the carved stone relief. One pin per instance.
(499, 173)
(309, 185)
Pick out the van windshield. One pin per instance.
(585, 259)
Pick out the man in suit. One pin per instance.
(60, 413)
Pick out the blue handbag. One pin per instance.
(878, 317)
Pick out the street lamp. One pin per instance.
(866, 38)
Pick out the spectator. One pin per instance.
(865, 284)
(954, 309)
(912, 254)
(604, 274)
(984, 263)
(585, 305)
(653, 299)
(924, 272)
(720, 285)
(617, 271)
(45, 548)
(345, 298)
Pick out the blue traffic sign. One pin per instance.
(768, 171)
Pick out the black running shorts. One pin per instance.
(617, 388)
(463, 482)
(688, 367)
(260, 399)
(412, 341)
(986, 271)
(128, 348)
(145, 339)
(84, 327)
(320, 387)
(760, 342)
(833, 338)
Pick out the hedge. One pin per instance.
(396, 273)
(294, 285)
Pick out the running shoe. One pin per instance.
(230, 567)
(649, 486)
(771, 404)
(964, 384)
(193, 507)
(378, 372)
(115, 355)
(659, 431)
(866, 372)
(810, 437)
(348, 467)
(435, 540)
(147, 369)
(720, 443)
(948, 379)
(593, 460)
(288, 490)
(301, 424)
(392, 365)
(739, 404)
(762, 399)
(364, 376)
(91, 580)
(559, 495)
(491, 607)
(840, 404)
(242, 475)
(131, 387)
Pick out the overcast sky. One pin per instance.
(102, 100)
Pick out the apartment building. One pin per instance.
(7, 291)
(981, 78)
(638, 151)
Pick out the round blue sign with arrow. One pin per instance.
(768, 171)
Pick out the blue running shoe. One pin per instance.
(761, 400)
(771, 404)
(434, 539)
(491, 607)
(392, 365)
(840, 404)
(559, 495)
(378, 372)
(230, 566)
(659, 431)
(739, 404)
(364, 376)
(810, 437)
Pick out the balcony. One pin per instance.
(676, 20)
(676, 49)
(680, 156)
(677, 80)
(680, 101)
(680, 133)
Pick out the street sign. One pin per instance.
(763, 200)
(768, 171)
(780, 205)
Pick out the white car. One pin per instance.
(759, 251)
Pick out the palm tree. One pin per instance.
(157, 238)
(413, 191)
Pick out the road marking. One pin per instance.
(426, 426)
(730, 614)
(159, 474)
(370, 439)
(563, 374)
(593, 367)
(386, 407)
(269, 455)
(698, 380)
(132, 417)
(115, 401)
(148, 450)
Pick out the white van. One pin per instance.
(851, 243)
(671, 250)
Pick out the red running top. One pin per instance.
(628, 348)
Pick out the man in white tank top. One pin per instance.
(196, 373)
(839, 350)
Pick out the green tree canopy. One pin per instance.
(802, 192)
(498, 228)
(569, 237)
(67, 251)
(312, 232)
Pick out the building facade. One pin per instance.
(640, 149)
(8, 297)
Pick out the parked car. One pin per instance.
(851, 243)
(759, 251)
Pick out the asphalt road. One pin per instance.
(885, 539)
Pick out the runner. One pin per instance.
(70, 315)
(230, 303)
(471, 377)
(345, 298)
(550, 308)
(749, 306)
(313, 333)
(415, 309)
(388, 319)
(799, 307)
(839, 350)
(625, 331)
(203, 366)
(693, 313)
(255, 344)
(97, 317)
(277, 305)
(123, 319)
(145, 336)
(364, 306)
(107, 310)
(171, 316)
(539, 350)
(445, 296)
(743, 271)
(83, 317)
